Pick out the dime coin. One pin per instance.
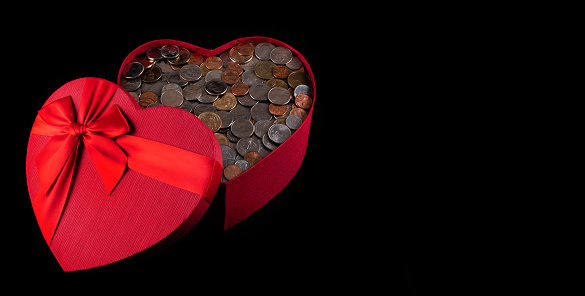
(246, 145)
(297, 78)
(132, 70)
(262, 50)
(252, 157)
(226, 102)
(172, 98)
(259, 92)
(215, 87)
(281, 72)
(279, 96)
(242, 128)
(240, 89)
(213, 63)
(303, 101)
(264, 69)
(190, 72)
(280, 55)
(182, 58)
(278, 133)
(243, 164)
(293, 122)
(151, 75)
(192, 92)
(231, 171)
(211, 119)
(169, 51)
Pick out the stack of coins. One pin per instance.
(252, 97)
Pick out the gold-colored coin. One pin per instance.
(151, 75)
(211, 119)
(226, 102)
(280, 120)
(297, 78)
(222, 139)
(204, 69)
(263, 69)
(235, 56)
(277, 82)
(183, 58)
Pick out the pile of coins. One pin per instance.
(252, 97)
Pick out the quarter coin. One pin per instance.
(278, 133)
(280, 55)
(262, 50)
(279, 96)
(172, 98)
(242, 128)
(190, 72)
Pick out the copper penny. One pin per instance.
(277, 109)
(235, 56)
(235, 67)
(303, 101)
(300, 112)
(222, 139)
(245, 48)
(252, 157)
(230, 76)
(231, 171)
(281, 72)
(145, 102)
(196, 59)
(149, 95)
(183, 58)
(213, 63)
(240, 89)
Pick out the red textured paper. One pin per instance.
(96, 228)
(252, 189)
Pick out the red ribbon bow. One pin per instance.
(111, 151)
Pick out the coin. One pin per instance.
(207, 98)
(235, 56)
(294, 64)
(297, 78)
(260, 111)
(174, 77)
(154, 54)
(130, 84)
(264, 69)
(190, 72)
(303, 89)
(280, 55)
(245, 100)
(226, 119)
(221, 139)
(230, 76)
(211, 119)
(155, 87)
(242, 128)
(259, 92)
(169, 51)
(231, 171)
(149, 95)
(245, 48)
(227, 154)
(240, 89)
(151, 75)
(278, 133)
(226, 102)
(213, 63)
(215, 87)
(300, 112)
(293, 122)
(196, 59)
(132, 70)
(281, 72)
(203, 108)
(303, 101)
(276, 109)
(192, 92)
(250, 78)
(261, 127)
(235, 67)
(145, 102)
(246, 145)
(146, 62)
(279, 96)
(213, 75)
(171, 86)
(277, 82)
(262, 50)
(172, 98)
(243, 164)
(252, 157)
(182, 58)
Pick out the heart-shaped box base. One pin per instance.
(97, 228)
(256, 186)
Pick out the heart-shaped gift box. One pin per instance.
(108, 180)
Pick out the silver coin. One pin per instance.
(226, 119)
(246, 100)
(261, 127)
(288, 108)
(207, 98)
(242, 128)
(303, 89)
(190, 72)
(192, 92)
(172, 98)
(294, 64)
(228, 155)
(175, 77)
(155, 87)
(169, 51)
(231, 136)
(186, 105)
(278, 95)
(262, 51)
(130, 84)
(164, 66)
(260, 111)
(135, 94)
(213, 75)
(240, 112)
(259, 91)
(293, 122)
(251, 64)
(263, 151)
(250, 78)
(202, 108)
(216, 87)
(246, 145)
(243, 164)
(280, 55)
(132, 70)
(278, 133)
(155, 104)
(266, 142)
(171, 86)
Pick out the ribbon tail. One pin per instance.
(108, 158)
(48, 204)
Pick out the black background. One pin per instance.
(352, 216)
